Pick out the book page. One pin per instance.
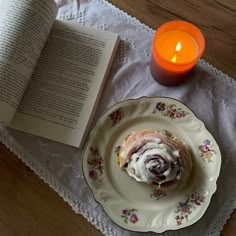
(67, 81)
(24, 28)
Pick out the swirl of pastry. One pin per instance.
(153, 158)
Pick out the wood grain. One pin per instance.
(30, 207)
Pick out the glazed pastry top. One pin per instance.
(153, 158)
(154, 161)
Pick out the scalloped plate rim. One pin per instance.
(106, 207)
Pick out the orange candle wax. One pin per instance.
(177, 46)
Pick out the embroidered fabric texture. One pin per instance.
(209, 93)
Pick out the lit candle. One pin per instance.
(177, 49)
(177, 46)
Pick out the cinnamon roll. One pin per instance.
(154, 158)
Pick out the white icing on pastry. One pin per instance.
(154, 158)
(154, 162)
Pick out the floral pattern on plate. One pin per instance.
(158, 194)
(186, 208)
(171, 111)
(96, 165)
(129, 216)
(206, 150)
(116, 116)
(117, 150)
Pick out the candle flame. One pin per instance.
(177, 49)
(174, 58)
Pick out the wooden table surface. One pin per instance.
(28, 206)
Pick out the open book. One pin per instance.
(51, 72)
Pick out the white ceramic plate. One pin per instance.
(136, 206)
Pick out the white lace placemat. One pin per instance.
(209, 93)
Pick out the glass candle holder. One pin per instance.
(176, 48)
